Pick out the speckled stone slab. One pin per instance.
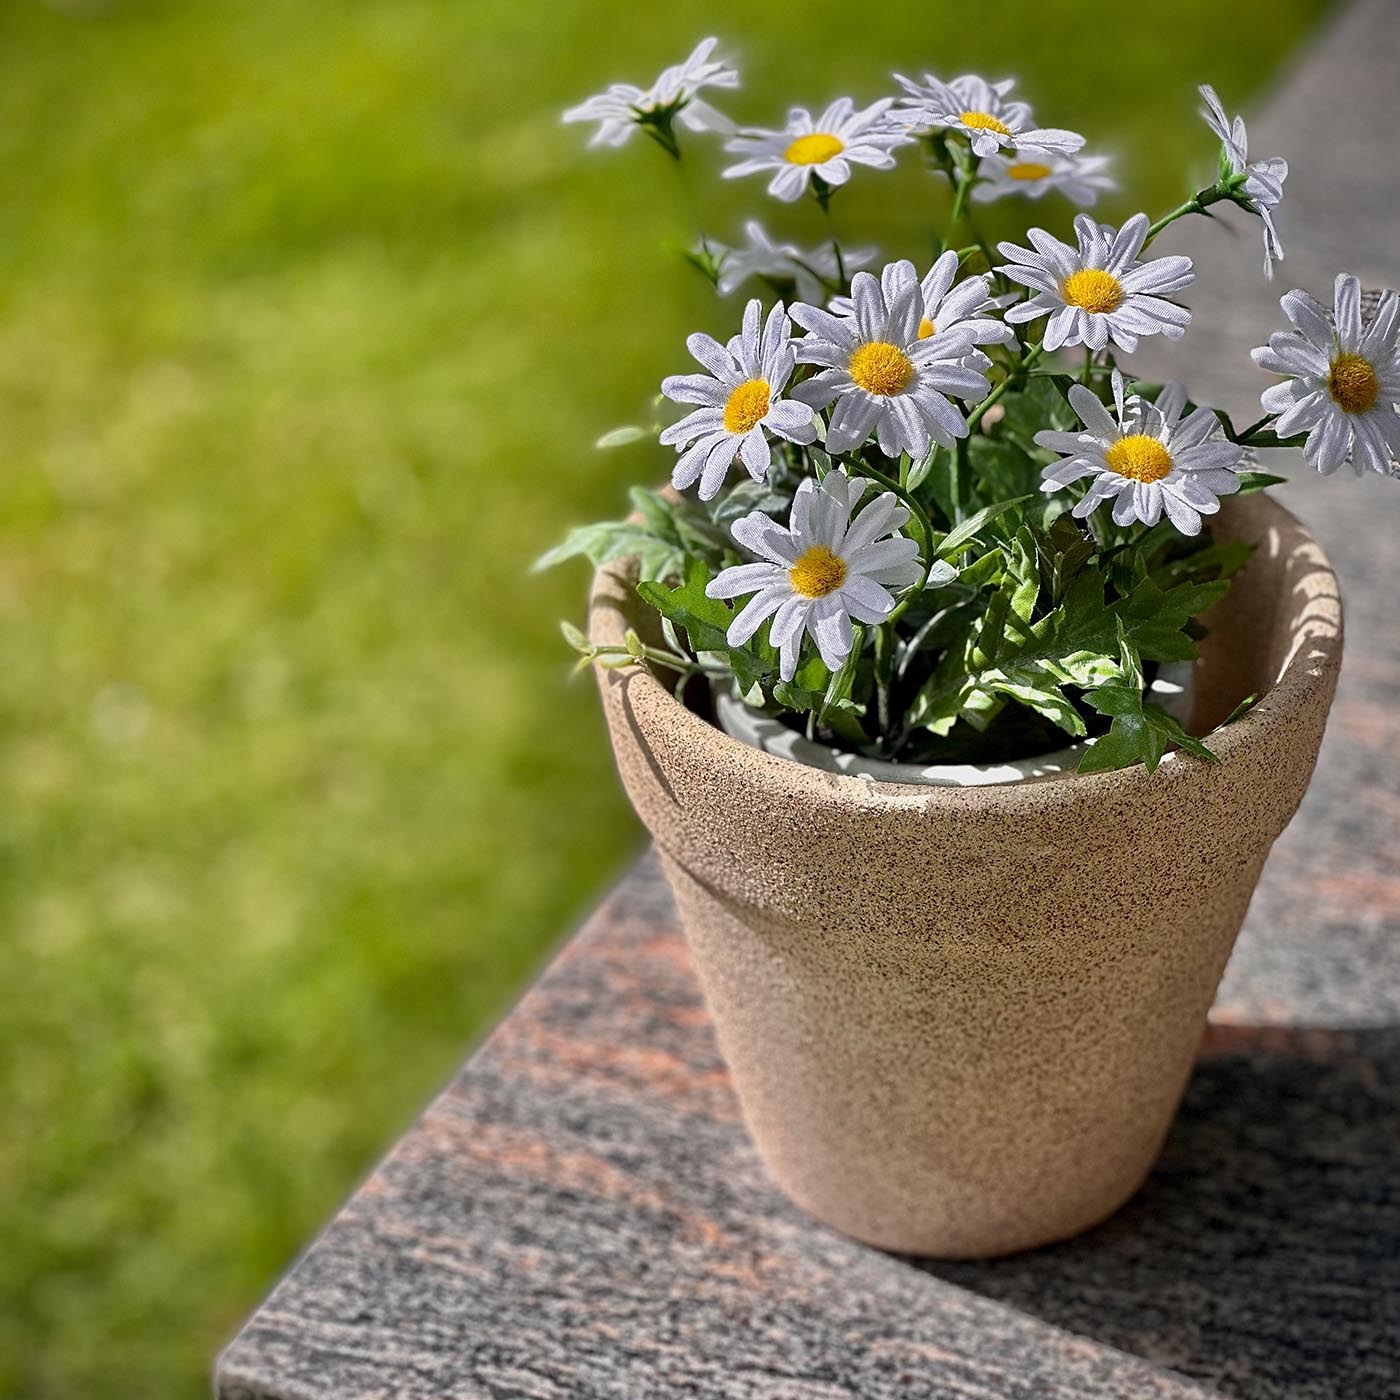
(581, 1215)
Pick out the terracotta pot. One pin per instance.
(959, 1021)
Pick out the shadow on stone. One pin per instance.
(1263, 1255)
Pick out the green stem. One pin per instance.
(835, 288)
(1195, 205)
(1253, 428)
(925, 526)
(956, 479)
(964, 184)
(1030, 358)
(884, 673)
(823, 193)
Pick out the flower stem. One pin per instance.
(884, 672)
(823, 193)
(925, 527)
(1195, 205)
(1271, 439)
(964, 177)
(1030, 357)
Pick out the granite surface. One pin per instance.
(581, 1214)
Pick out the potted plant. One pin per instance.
(963, 681)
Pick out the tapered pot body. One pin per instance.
(959, 1021)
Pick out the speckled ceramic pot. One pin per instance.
(959, 1020)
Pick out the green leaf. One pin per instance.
(1062, 550)
(1041, 404)
(1215, 561)
(1141, 732)
(755, 664)
(620, 437)
(919, 472)
(1076, 643)
(1240, 710)
(666, 534)
(608, 540)
(960, 536)
(1258, 481)
(1004, 467)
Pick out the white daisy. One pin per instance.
(944, 307)
(1147, 459)
(824, 148)
(979, 110)
(1264, 179)
(810, 270)
(882, 376)
(1344, 379)
(1032, 173)
(740, 402)
(624, 106)
(1100, 291)
(822, 570)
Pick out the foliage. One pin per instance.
(1042, 614)
(1051, 544)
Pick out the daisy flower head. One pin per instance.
(1032, 174)
(822, 570)
(1100, 290)
(740, 403)
(1262, 182)
(1145, 457)
(881, 375)
(810, 270)
(1343, 378)
(822, 148)
(966, 308)
(624, 106)
(980, 111)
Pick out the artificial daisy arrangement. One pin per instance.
(926, 513)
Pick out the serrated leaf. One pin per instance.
(1141, 732)
(1076, 643)
(620, 539)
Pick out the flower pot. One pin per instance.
(959, 1020)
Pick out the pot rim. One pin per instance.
(1308, 671)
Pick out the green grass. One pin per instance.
(308, 314)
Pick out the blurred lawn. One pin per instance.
(308, 314)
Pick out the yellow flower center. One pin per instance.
(926, 328)
(1093, 289)
(1352, 382)
(1139, 457)
(985, 121)
(746, 405)
(1028, 170)
(881, 368)
(814, 149)
(817, 572)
